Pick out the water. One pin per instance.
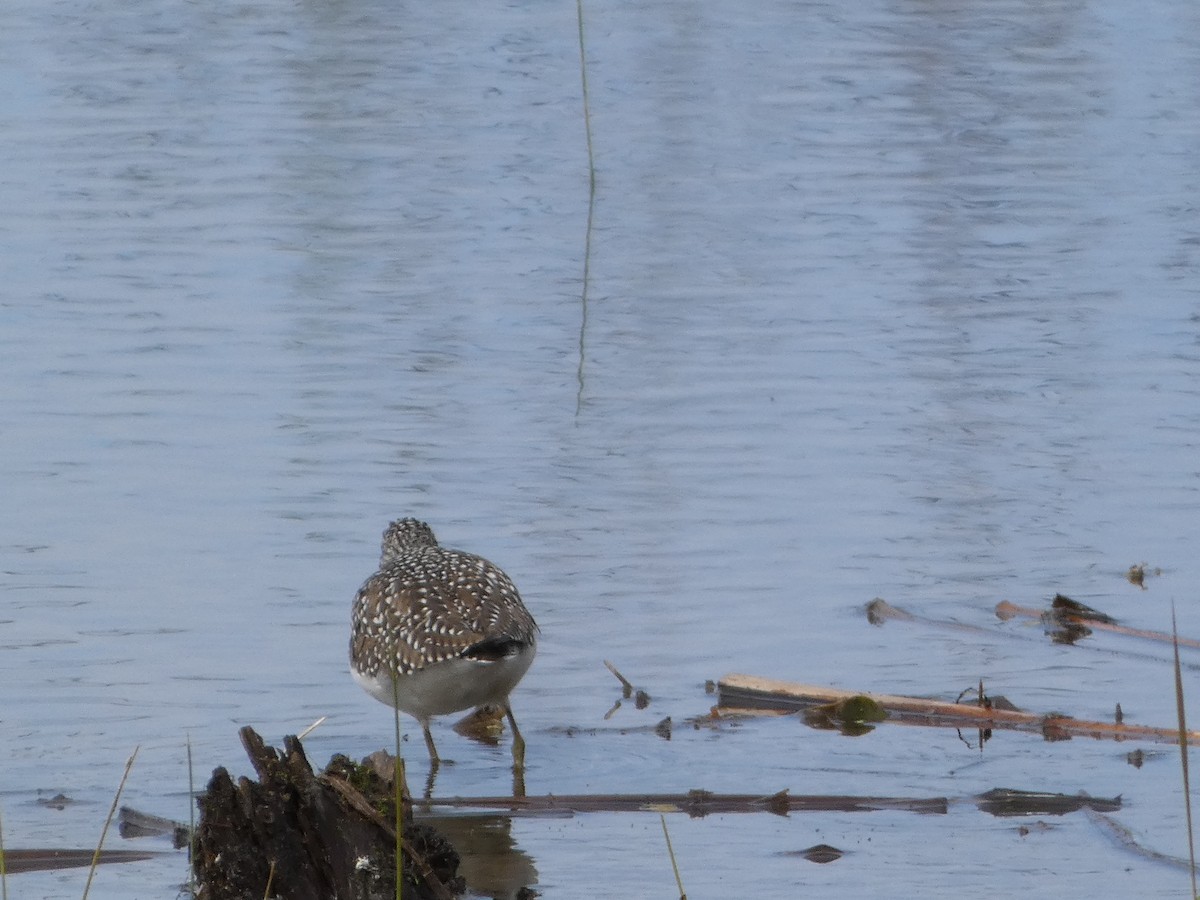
(885, 299)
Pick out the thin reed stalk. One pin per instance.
(587, 237)
(311, 728)
(191, 882)
(3, 867)
(112, 811)
(671, 853)
(1183, 751)
(587, 106)
(398, 788)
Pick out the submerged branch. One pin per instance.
(997, 802)
(54, 859)
(695, 803)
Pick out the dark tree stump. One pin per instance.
(312, 837)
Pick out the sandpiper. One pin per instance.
(437, 631)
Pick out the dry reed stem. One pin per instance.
(1183, 750)
(311, 728)
(3, 867)
(671, 853)
(108, 821)
(587, 237)
(191, 882)
(270, 881)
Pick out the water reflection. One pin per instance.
(491, 862)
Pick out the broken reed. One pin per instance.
(1183, 751)
(270, 881)
(112, 811)
(191, 882)
(587, 108)
(591, 213)
(3, 867)
(671, 853)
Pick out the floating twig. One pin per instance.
(133, 823)
(1126, 839)
(626, 685)
(1183, 752)
(54, 859)
(640, 698)
(696, 804)
(749, 692)
(1137, 574)
(699, 803)
(1078, 614)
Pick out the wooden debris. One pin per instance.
(1137, 574)
(820, 853)
(661, 728)
(1072, 613)
(699, 803)
(1008, 802)
(626, 684)
(53, 859)
(1125, 839)
(133, 823)
(311, 837)
(696, 804)
(880, 611)
(748, 692)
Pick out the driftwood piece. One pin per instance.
(750, 692)
(1009, 802)
(133, 823)
(52, 859)
(310, 837)
(697, 804)
(1061, 614)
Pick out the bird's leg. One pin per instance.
(518, 784)
(518, 751)
(518, 746)
(434, 759)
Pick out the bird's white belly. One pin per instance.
(449, 686)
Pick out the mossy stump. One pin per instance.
(303, 836)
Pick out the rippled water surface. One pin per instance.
(884, 299)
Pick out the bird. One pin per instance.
(437, 631)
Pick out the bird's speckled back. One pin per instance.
(428, 603)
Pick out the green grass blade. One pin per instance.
(398, 788)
